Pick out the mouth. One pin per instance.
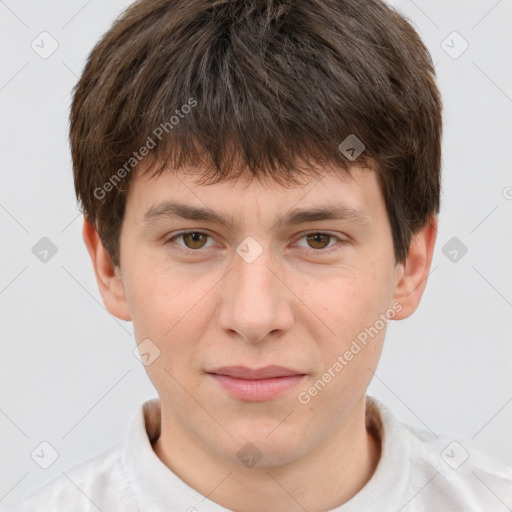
(256, 385)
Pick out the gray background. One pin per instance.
(69, 376)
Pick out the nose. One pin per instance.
(255, 302)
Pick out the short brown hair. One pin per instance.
(264, 85)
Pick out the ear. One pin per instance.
(108, 276)
(411, 276)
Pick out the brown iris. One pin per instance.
(195, 240)
(318, 240)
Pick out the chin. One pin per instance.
(261, 450)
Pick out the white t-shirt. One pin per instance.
(417, 471)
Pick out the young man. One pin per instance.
(260, 184)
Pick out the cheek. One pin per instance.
(347, 303)
(167, 305)
(174, 313)
(350, 309)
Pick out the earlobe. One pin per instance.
(108, 276)
(413, 273)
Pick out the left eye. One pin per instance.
(319, 240)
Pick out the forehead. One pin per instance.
(230, 201)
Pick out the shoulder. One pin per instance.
(98, 483)
(451, 470)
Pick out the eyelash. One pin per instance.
(327, 250)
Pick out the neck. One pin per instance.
(325, 478)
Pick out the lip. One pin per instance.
(256, 385)
(267, 372)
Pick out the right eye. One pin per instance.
(192, 240)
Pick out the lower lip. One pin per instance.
(257, 390)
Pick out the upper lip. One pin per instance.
(267, 372)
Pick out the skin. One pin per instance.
(289, 307)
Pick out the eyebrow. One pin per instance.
(172, 210)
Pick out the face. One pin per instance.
(261, 285)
